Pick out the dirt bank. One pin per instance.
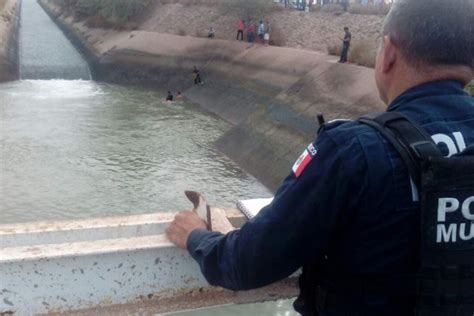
(9, 23)
(270, 94)
(314, 30)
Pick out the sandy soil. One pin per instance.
(314, 30)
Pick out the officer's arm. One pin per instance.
(294, 229)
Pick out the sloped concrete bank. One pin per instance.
(271, 95)
(9, 48)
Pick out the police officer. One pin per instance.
(348, 212)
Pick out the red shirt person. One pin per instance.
(240, 30)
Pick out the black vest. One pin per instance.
(444, 282)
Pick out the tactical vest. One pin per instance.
(444, 282)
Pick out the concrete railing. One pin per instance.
(123, 264)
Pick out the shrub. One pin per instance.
(334, 49)
(181, 32)
(277, 38)
(363, 53)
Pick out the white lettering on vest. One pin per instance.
(446, 236)
(449, 142)
(460, 141)
(462, 232)
(452, 150)
(446, 205)
(449, 232)
(466, 208)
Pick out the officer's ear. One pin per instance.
(389, 55)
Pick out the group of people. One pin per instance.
(260, 33)
(170, 97)
(197, 81)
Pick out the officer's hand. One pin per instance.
(181, 227)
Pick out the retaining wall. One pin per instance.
(9, 48)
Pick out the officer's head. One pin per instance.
(425, 40)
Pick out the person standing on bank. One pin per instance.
(350, 214)
(346, 43)
(240, 30)
(261, 32)
(251, 29)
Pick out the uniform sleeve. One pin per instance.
(295, 228)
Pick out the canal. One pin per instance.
(74, 148)
(79, 149)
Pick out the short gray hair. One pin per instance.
(437, 32)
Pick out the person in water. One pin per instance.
(179, 96)
(169, 97)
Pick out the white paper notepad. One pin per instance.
(250, 208)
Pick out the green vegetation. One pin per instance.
(104, 13)
(470, 88)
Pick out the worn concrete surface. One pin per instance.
(108, 266)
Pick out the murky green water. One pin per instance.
(79, 149)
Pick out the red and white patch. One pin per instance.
(303, 161)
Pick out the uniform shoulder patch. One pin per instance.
(303, 161)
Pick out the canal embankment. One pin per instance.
(271, 95)
(9, 49)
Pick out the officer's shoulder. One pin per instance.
(342, 130)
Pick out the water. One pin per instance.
(45, 53)
(80, 149)
(278, 308)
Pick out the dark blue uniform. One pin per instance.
(349, 201)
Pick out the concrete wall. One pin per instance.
(9, 49)
(271, 95)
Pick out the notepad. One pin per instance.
(250, 208)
